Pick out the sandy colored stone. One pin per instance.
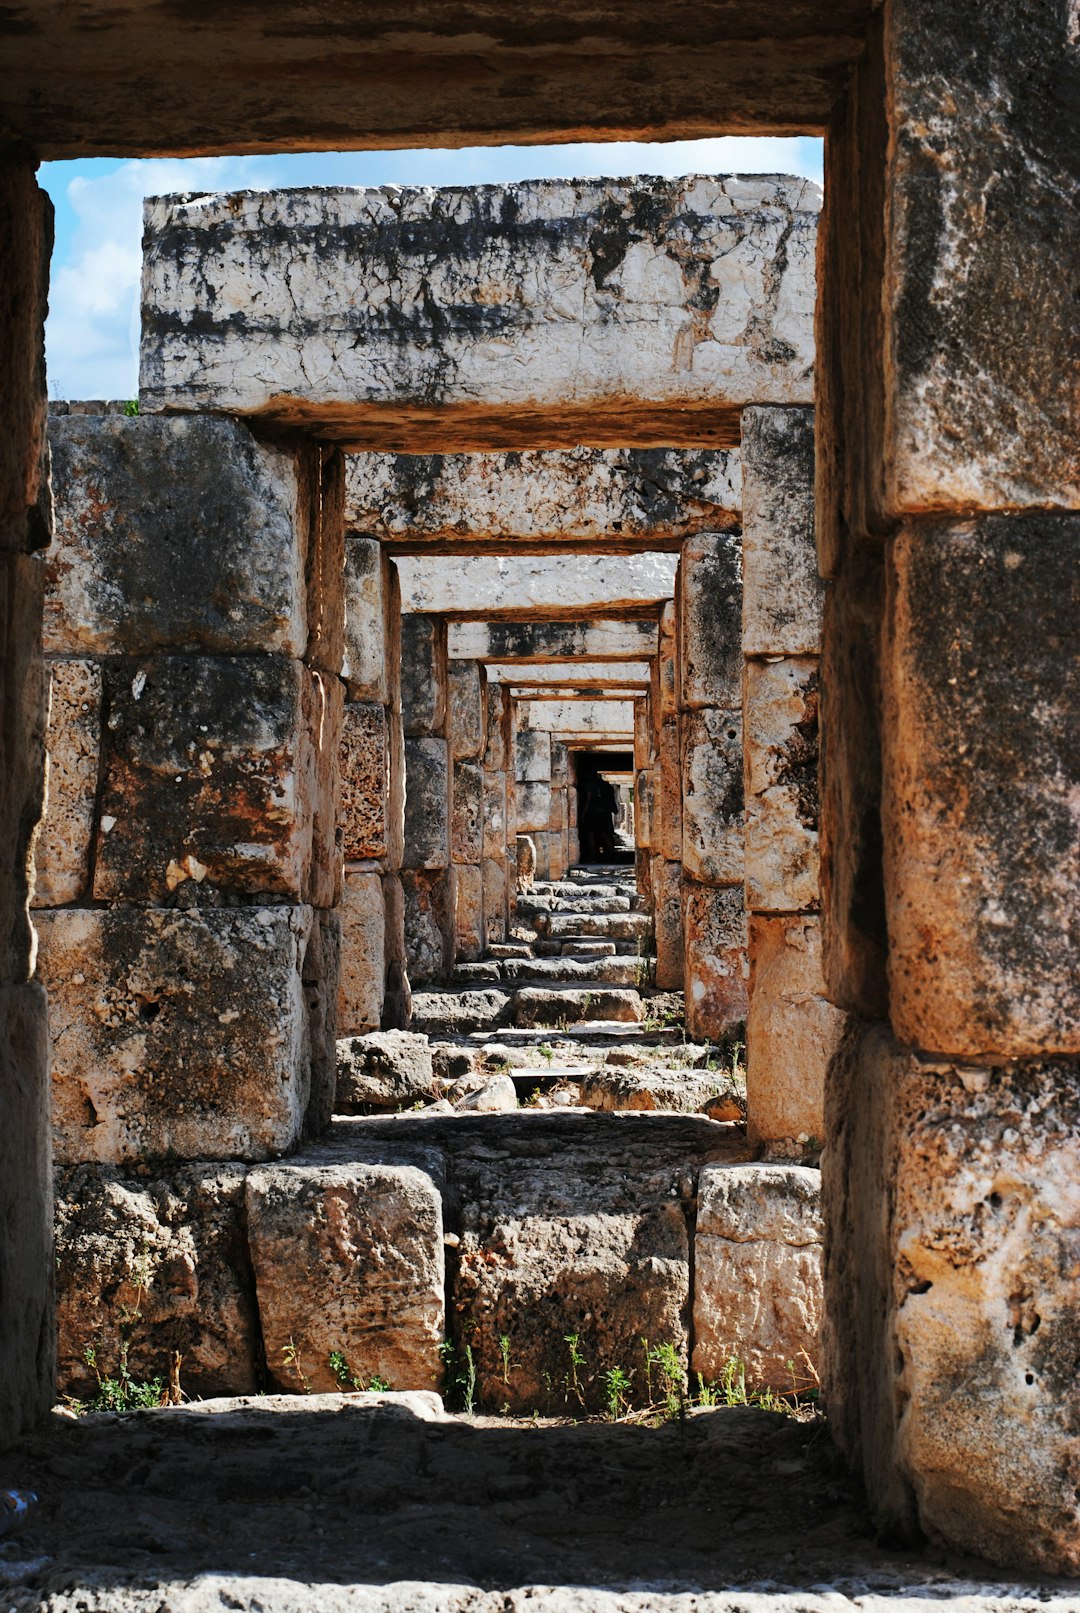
(547, 295)
(758, 1274)
(669, 797)
(383, 1070)
(532, 756)
(219, 769)
(611, 496)
(467, 812)
(368, 605)
(159, 1263)
(540, 641)
(497, 877)
(981, 679)
(22, 777)
(791, 1030)
(532, 808)
(427, 804)
(423, 674)
(712, 796)
(593, 717)
(348, 1258)
(782, 592)
(572, 677)
(494, 815)
(643, 809)
(715, 969)
(953, 1208)
(218, 565)
(487, 585)
(496, 1095)
(62, 851)
(469, 936)
(320, 976)
(456, 1013)
(668, 927)
(397, 1002)
(710, 620)
(679, 1091)
(555, 1005)
(365, 769)
(497, 736)
(466, 715)
(429, 923)
(176, 1033)
(592, 918)
(363, 953)
(781, 766)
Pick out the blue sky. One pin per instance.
(91, 338)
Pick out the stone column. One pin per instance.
(559, 824)
(374, 986)
(644, 759)
(467, 735)
(950, 842)
(427, 876)
(532, 785)
(791, 1030)
(666, 815)
(189, 867)
(26, 1249)
(709, 596)
(499, 866)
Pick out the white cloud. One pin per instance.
(92, 336)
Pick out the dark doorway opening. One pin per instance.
(604, 781)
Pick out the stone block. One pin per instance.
(217, 565)
(427, 804)
(712, 796)
(397, 1003)
(710, 620)
(854, 940)
(368, 633)
(161, 1264)
(496, 874)
(320, 976)
(384, 1070)
(573, 1005)
(781, 766)
(365, 780)
(669, 796)
(62, 850)
(758, 1274)
(981, 680)
(323, 467)
(791, 1032)
(782, 592)
(457, 1013)
(362, 981)
(469, 939)
(715, 962)
(495, 820)
(348, 1259)
(216, 769)
(27, 1266)
(643, 809)
(423, 674)
(429, 923)
(467, 813)
(22, 752)
(668, 924)
(667, 664)
(466, 718)
(643, 733)
(582, 294)
(532, 757)
(497, 738)
(25, 502)
(532, 810)
(176, 1033)
(577, 1233)
(608, 496)
(539, 641)
(953, 1209)
(678, 1091)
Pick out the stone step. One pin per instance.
(554, 1006)
(468, 974)
(581, 946)
(509, 949)
(609, 926)
(672, 1091)
(579, 971)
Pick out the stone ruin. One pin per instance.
(945, 481)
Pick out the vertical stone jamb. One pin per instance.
(467, 732)
(427, 876)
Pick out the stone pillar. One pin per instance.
(499, 866)
(27, 1339)
(189, 865)
(791, 1030)
(559, 823)
(467, 736)
(709, 598)
(532, 785)
(643, 761)
(427, 876)
(666, 810)
(374, 987)
(951, 897)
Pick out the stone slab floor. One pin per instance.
(364, 1503)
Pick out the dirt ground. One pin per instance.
(382, 1504)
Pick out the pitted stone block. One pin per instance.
(712, 796)
(781, 765)
(791, 1032)
(467, 813)
(716, 969)
(363, 916)
(466, 715)
(63, 848)
(782, 592)
(365, 779)
(427, 804)
(367, 627)
(710, 620)
(423, 674)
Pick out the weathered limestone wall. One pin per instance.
(467, 730)
(946, 460)
(541, 641)
(427, 875)
(517, 586)
(499, 827)
(615, 500)
(189, 864)
(791, 1029)
(706, 767)
(542, 314)
(374, 984)
(26, 1260)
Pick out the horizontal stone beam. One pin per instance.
(572, 674)
(624, 499)
(484, 586)
(617, 313)
(595, 717)
(538, 642)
